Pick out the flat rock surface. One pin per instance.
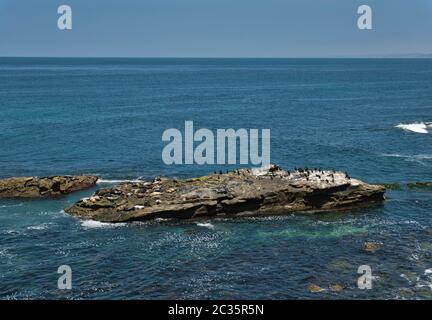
(35, 187)
(243, 192)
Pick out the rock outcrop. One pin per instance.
(242, 192)
(420, 185)
(34, 187)
(370, 246)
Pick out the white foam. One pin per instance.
(262, 171)
(422, 159)
(108, 181)
(205, 225)
(162, 219)
(42, 226)
(11, 231)
(11, 205)
(416, 156)
(6, 254)
(92, 224)
(414, 127)
(425, 280)
(404, 276)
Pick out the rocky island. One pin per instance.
(243, 192)
(34, 187)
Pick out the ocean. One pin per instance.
(369, 117)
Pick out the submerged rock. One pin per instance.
(314, 288)
(392, 186)
(336, 287)
(370, 246)
(34, 187)
(243, 192)
(341, 266)
(420, 185)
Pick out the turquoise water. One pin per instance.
(106, 117)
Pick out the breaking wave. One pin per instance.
(205, 225)
(42, 226)
(425, 280)
(420, 127)
(108, 181)
(92, 224)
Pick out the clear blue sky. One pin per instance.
(214, 28)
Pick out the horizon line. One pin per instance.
(401, 56)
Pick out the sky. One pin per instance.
(215, 28)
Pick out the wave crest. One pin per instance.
(420, 127)
(92, 224)
(205, 225)
(108, 181)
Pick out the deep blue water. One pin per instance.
(106, 117)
